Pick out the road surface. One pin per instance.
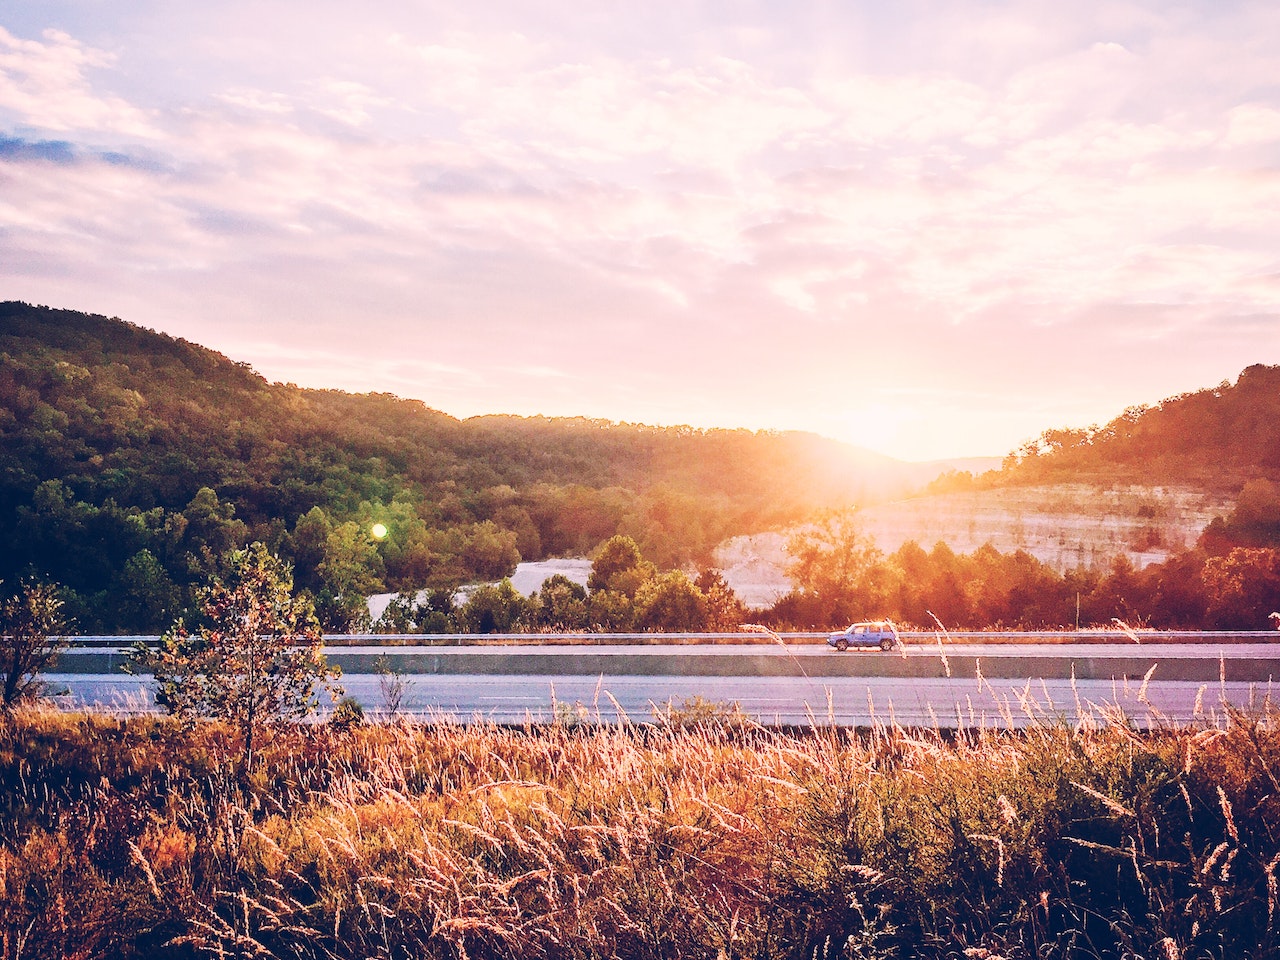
(965, 685)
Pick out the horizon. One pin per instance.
(928, 233)
(533, 416)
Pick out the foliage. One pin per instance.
(493, 608)
(988, 588)
(130, 461)
(30, 623)
(704, 836)
(347, 713)
(835, 567)
(671, 602)
(619, 567)
(561, 604)
(255, 659)
(1242, 587)
(1216, 438)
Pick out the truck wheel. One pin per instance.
(886, 644)
(842, 645)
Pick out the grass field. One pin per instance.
(699, 835)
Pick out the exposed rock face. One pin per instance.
(1065, 526)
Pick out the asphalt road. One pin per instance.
(973, 685)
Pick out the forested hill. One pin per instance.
(1217, 438)
(114, 410)
(128, 453)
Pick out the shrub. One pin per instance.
(255, 660)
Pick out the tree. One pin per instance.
(837, 567)
(492, 608)
(610, 612)
(30, 619)
(619, 567)
(146, 596)
(671, 602)
(211, 530)
(351, 570)
(490, 551)
(1242, 587)
(725, 611)
(256, 658)
(562, 604)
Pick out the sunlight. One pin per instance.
(876, 426)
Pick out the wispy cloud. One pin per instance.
(646, 205)
(46, 84)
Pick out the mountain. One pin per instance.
(128, 453)
(115, 410)
(1217, 439)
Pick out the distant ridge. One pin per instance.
(1216, 438)
(114, 411)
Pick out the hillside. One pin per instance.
(130, 461)
(1214, 439)
(128, 458)
(114, 410)
(1152, 486)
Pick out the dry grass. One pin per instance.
(715, 838)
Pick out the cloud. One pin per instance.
(1252, 123)
(48, 86)
(495, 199)
(54, 151)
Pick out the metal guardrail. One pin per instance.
(740, 637)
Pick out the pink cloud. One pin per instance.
(490, 214)
(48, 85)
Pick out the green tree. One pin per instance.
(350, 571)
(256, 658)
(671, 602)
(492, 608)
(146, 598)
(619, 567)
(725, 611)
(837, 567)
(436, 611)
(212, 530)
(610, 611)
(562, 604)
(490, 551)
(398, 615)
(306, 545)
(30, 621)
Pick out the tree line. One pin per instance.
(130, 461)
(1229, 580)
(625, 593)
(1217, 438)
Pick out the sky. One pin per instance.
(929, 229)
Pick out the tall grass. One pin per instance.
(713, 839)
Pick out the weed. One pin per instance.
(702, 837)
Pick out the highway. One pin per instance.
(956, 685)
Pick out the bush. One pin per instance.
(30, 618)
